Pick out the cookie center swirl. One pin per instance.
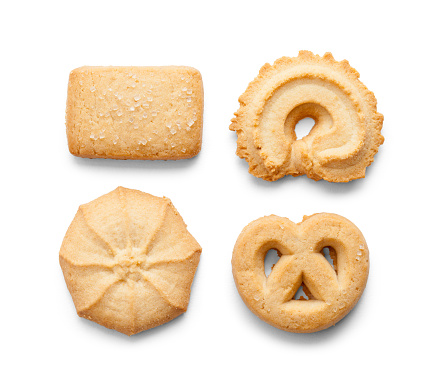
(337, 133)
(314, 111)
(129, 265)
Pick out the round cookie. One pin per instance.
(333, 290)
(129, 261)
(347, 130)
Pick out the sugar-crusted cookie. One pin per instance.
(129, 261)
(135, 112)
(333, 290)
(347, 130)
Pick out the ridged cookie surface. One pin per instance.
(129, 261)
(135, 112)
(347, 130)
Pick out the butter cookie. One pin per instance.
(129, 261)
(333, 290)
(135, 112)
(347, 130)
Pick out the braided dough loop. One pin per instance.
(344, 139)
(272, 298)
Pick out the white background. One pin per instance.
(391, 339)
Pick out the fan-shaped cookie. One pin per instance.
(347, 130)
(129, 261)
(333, 290)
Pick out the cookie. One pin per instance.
(129, 261)
(135, 112)
(347, 130)
(333, 290)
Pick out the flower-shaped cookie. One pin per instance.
(129, 261)
(347, 130)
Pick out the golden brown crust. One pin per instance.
(347, 133)
(129, 261)
(135, 112)
(332, 294)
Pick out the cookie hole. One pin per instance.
(303, 127)
(270, 260)
(331, 256)
(303, 294)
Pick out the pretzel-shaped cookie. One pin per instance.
(333, 293)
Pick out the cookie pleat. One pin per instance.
(173, 279)
(87, 284)
(114, 309)
(145, 216)
(150, 307)
(106, 218)
(172, 240)
(93, 250)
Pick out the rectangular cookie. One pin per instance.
(135, 112)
